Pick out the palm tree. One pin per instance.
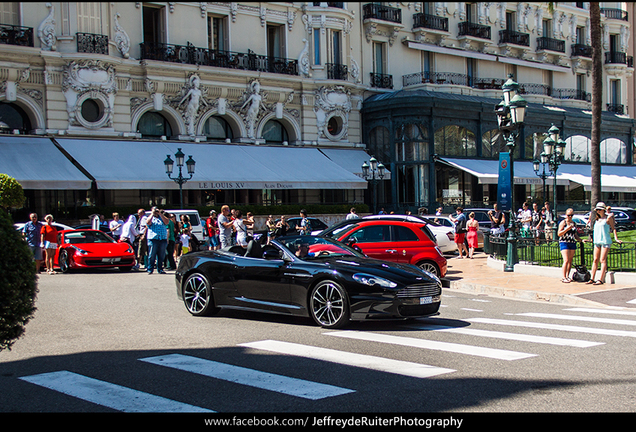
(597, 101)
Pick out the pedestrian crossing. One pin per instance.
(581, 328)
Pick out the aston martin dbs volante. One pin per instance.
(88, 248)
(309, 276)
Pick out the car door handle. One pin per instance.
(391, 251)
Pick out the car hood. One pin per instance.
(403, 273)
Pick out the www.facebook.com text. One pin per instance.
(340, 422)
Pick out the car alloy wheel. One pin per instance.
(328, 305)
(197, 296)
(429, 267)
(62, 261)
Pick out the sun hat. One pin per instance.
(600, 206)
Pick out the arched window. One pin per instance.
(455, 140)
(14, 117)
(613, 151)
(154, 125)
(411, 143)
(577, 149)
(275, 132)
(217, 128)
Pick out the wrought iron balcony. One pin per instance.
(16, 35)
(617, 57)
(514, 37)
(574, 94)
(381, 80)
(473, 29)
(580, 50)
(92, 43)
(433, 22)
(546, 43)
(612, 13)
(189, 54)
(337, 71)
(381, 12)
(616, 108)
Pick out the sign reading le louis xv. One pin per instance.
(244, 185)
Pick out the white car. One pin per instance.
(447, 223)
(57, 225)
(445, 236)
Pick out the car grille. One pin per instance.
(423, 290)
(99, 262)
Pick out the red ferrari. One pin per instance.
(88, 248)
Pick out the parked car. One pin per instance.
(316, 224)
(89, 248)
(198, 224)
(392, 240)
(59, 226)
(308, 276)
(447, 223)
(444, 236)
(481, 216)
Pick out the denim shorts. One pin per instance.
(602, 245)
(567, 246)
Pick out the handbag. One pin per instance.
(581, 274)
(460, 228)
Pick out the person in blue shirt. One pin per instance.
(305, 225)
(157, 234)
(31, 232)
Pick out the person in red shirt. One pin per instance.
(49, 242)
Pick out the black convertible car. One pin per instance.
(305, 276)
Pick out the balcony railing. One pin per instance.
(189, 54)
(381, 12)
(92, 43)
(618, 14)
(473, 29)
(580, 50)
(433, 22)
(617, 57)
(616, 108)
(514, 37)
(546, 43)
(16, 35)
(381, 80)
(573, 94)
(337, 71)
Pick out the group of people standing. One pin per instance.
(42, 240)
(602, 224)
(229, 228)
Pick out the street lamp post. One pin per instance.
(553, 147)
(541, 172)
(180, 179)
(511, 112)
(369, 172)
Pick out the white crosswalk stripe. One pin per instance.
(109, 395)
(579, 318)
(547, 326)
(352, 359)
(434, 345)
(249, 377)
(604, 311)
(511, 336)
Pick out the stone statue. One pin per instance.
(195, 96)
(255, 102)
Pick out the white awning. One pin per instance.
(352, 160)
(614, 178)
(487, 171)
(140, 165)
(36, 163)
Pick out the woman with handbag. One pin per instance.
(568, 240)
(460, 231)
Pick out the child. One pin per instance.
(185, 241)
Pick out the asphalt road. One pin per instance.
(110, 342)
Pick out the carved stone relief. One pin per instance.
(332, 107)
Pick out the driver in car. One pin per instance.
(303, 251)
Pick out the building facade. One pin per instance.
(282, 102)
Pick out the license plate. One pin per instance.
(111, 260)
(426, 300)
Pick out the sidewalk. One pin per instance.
(486, 276)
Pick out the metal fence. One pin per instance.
(541, 252)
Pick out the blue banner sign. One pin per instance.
(504, 188)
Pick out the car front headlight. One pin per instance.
(367, 279)
(80, 251)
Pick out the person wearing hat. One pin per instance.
(212, 226)
(603, 226)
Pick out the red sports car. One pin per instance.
(88, 248)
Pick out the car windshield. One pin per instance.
(337, 229)
(76, 237)
(311, 247)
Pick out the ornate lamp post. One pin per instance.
(180, 180)
(511, 112)
(369, 172)
(553, 147)
(540, 170)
